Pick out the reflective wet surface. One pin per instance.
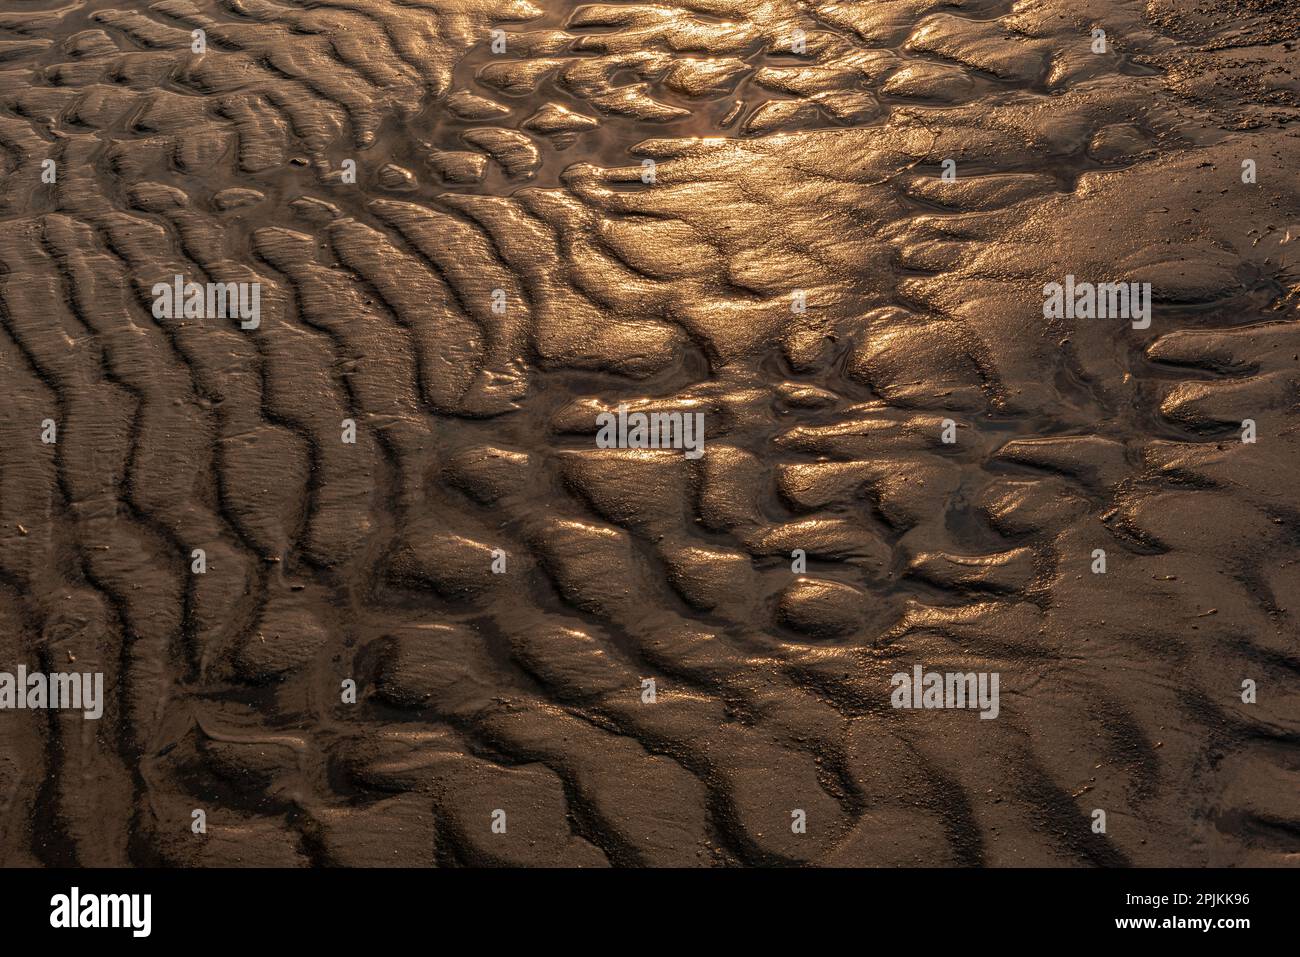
(476, 226)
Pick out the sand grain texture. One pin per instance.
(519, 178)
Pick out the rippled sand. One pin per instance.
(506, 266)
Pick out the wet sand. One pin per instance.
(736, 209)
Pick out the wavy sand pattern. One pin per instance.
(518, 180)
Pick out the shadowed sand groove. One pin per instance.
(729, 208)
